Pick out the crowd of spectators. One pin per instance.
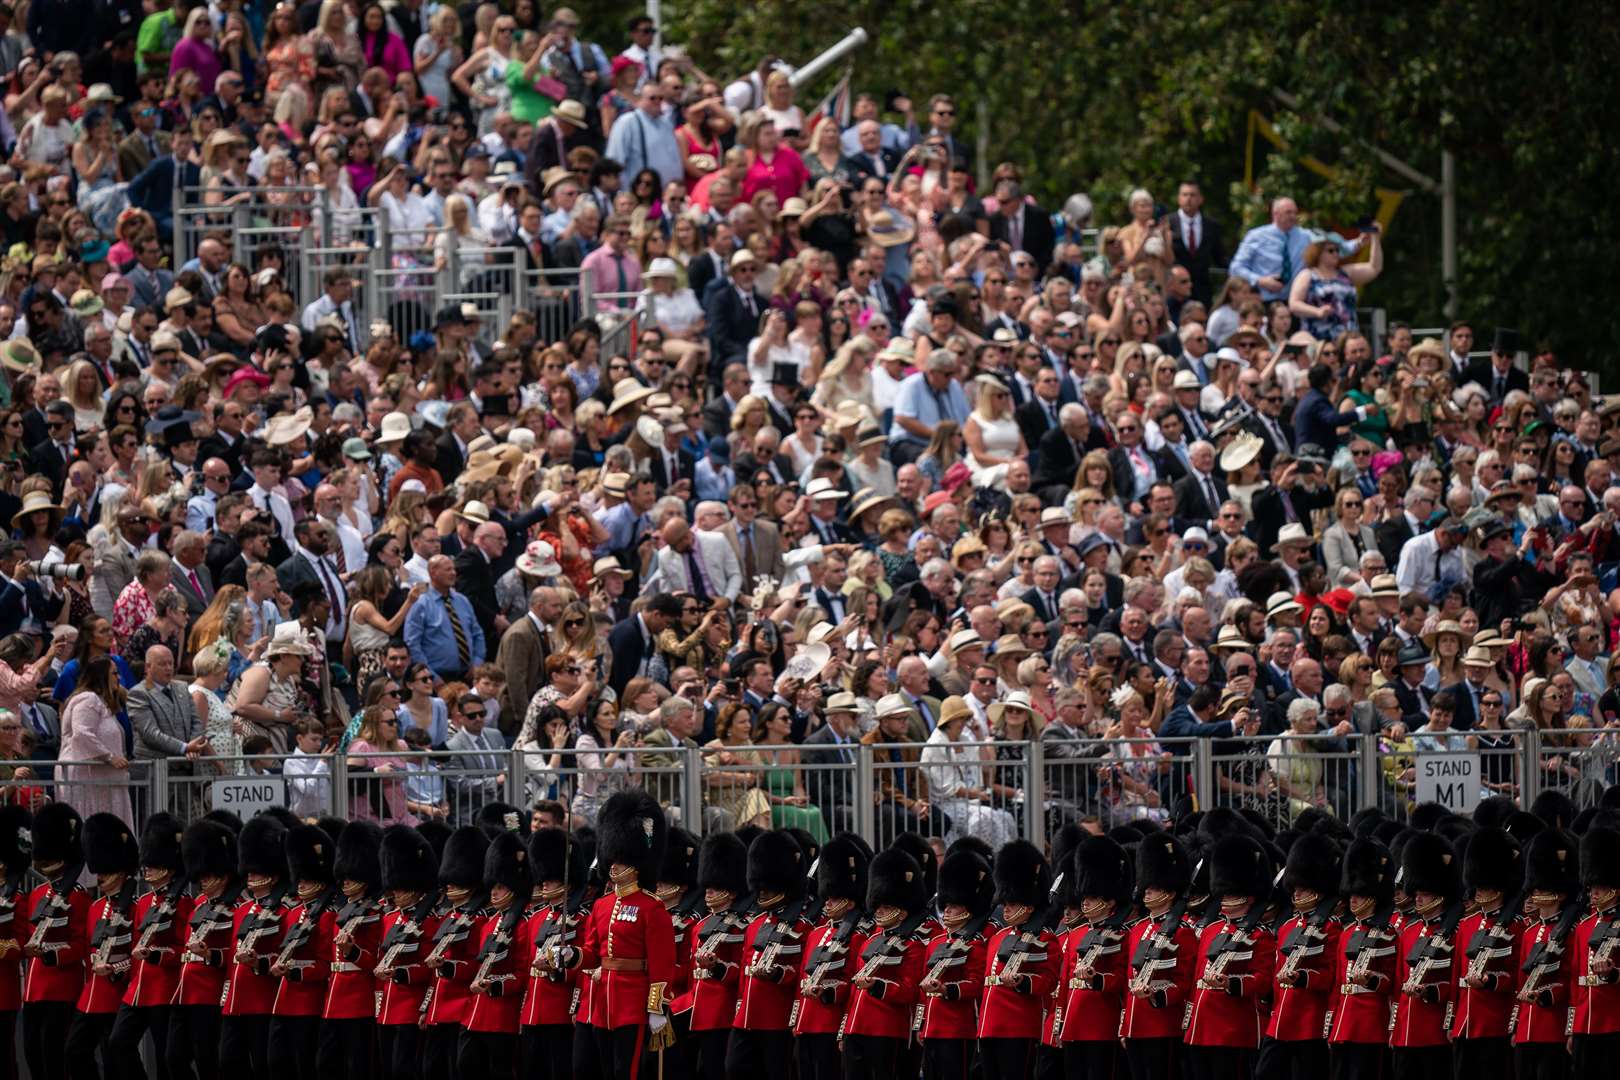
(890, 457)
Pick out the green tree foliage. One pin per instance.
(1102, 98)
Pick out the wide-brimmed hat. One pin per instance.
(170, 416)
(616, 484)
(19, 355)
(662, 267)
(1491, 638)
(1279, 602)
(1186, 380)
(1446, 626)
(395, 426)
(627, 392)
(539, 559)
(608, 566)
(1241, 450)
(953, 708)
(569, 112)
(891, 705)
(867, 499)
(1478, 656)
(898, 349)
(823, 488)
(869, 435)
(841, 702)
(288, 638)
(1503, 489)
(1009, 646)
(1055, 515)
(1426, 347)
(1412, 653)
(1293, 533)
(552, 177)
(475, 511)
(1015, 699)
(285, 428)
(963, 640)
(1231, 638)
(33, 503)
(887, 228)
(85, 303)
(1385, 585)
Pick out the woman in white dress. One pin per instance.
(992, 435)
(956, 781)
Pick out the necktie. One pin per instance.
(748, 305)
(1051, 414)
(922, 711)
(618, 267)
(1287, 274)
(463, 650)
(342, 562)
(1211, 494)
(1015, 232)
(1438, 555)
(38, 721)
(749, 566)
(695, 577)
(331, 593)
(197, 585)
(1192, 236)
(1501, 386)
(1288, 508)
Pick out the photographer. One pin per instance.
(23, 604)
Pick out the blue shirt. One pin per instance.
(712, 483)
(621, 523)
(1261, 255)
(640, 142)
(432, 640)
(438, 728)
(926, 405)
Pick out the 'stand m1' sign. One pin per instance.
(245, 796)
(1452, 780)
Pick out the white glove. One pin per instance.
(657, 1022)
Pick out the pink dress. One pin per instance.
(378, 798)
(91, 733)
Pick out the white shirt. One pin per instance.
(416, 570)
(276, 504)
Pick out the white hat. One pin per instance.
(474, 511)
(288, 638)
(539, 559)
(823, 488)
(742, 258)
(1280, 602)
(413, 484)
(807, 662)
(1293, 533)
(966, 639)
(1015, 699)
(520, 437)
(1195, 534)
(1229, 353)
(1385, 585)
(395, 426)
(607, 566)
(651, 430)
(859, 641)
(1240, 451)
(1478, 656)
(627, 392)
(285, 428)
(891, 705)
(1186, 380)
(819, 632)
(1055, 515)
(662, 267)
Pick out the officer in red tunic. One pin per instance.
(1364, 963)
(209, 852)
(113, 856)
(1493, 874)
(772, 957)
(499, 971)
(1596, 1031)
(159, 917)
(629, 938)
(832, 952)
(546, 1027)
(1306, 945)
(15, 842)
(348, 1014)
(677, 890)
(303, 958)
(953, 965)
(1431, 873)
(1161, 949)
(1543, 1017)
(1022, 964)
(58, 939)
(1236, 954)
(885, 986)
(715, 961)
(250, 987)
(462, 875)
(410, 881)
(1096, 965)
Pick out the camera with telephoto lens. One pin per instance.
(60, 570)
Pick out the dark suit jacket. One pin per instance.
(717, 417)
(1039, 238)
(449, 462)
(1034, 421)
(731, 327)
(626, 646)
(1480, 371)
(1192, 502)
(655, 466)
(294, 573)
(46, 460)
(475, 579)
(1269, 449)
(1211, 253)
(1392, 536)
(1058, 462)
(1316, 421)
(214, 446)
(828, 787)
(1270, 517)
(195, 604)
(1042, 611)
(12, 596)
(700, 272)
(861, 166)
(1125, 481)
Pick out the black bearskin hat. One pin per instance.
(209, 850)
(1099, 867)
(1493, 813)
(1493, 860)
(1239, 866)
(1600, 858)
(437, 834)
(408, 862)
(1425, 816)
(16, 838)
(1162, 862)
(227, 819)
(309, 854)
(1313, 863)
(965, 879)
(553, 856)
(160, 842)
(1068, 838)
(1555, 809)
(974, 845)
(1369, 870)
(110, 846)
(499, 817)
(506, 862)
(1021, 873)
(1429, 864)
(680, 859)
(776, 865)
(262, 847)
(723, 864)
(359, 855)
(58, 835)
(923, 852)
(631, 831)
(841, 870)
(896, 881)
(462, 863)
(1552, 864)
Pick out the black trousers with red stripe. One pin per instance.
(619, 1050)
(947, 1059)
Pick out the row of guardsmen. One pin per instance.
(1480, 948)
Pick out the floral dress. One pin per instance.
(1337, 293)
(220, 731)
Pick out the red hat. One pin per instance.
(956, 476)
(934, 501)
(1338, 601)
(245, 375)
(620, 63)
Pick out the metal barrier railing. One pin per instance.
(995, 790)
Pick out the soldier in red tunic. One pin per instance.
(462, 875)
(303, 958)
(159, 917)
(831, 954)
(209, 851)
(58, 939)
(113, 856)
(1306, 945)
(499, 971)
(715, 963)
(1493, 874)
(1021, 965)
(546, 1028)
(629, 938)
(1542, 1018)
(885, 986)
(410, 881)
(1431, 873)
(1364, 964)
(1235, 963)
(15, 845)
(953, 966)
(250, 987)
(1596, 1030)
(1161, 951)
(1096, 967)
(348, 1014)
(772, 958)
(678, 892)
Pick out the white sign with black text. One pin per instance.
(245, 796)
(1452, 780)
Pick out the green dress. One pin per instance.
(779, 783)
(1375, 429)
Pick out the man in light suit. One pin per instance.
(161, 712)
(482, 758)
(188, 573)
(115, 559)
(718, 571)
(1586, 666)
(522, 655)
